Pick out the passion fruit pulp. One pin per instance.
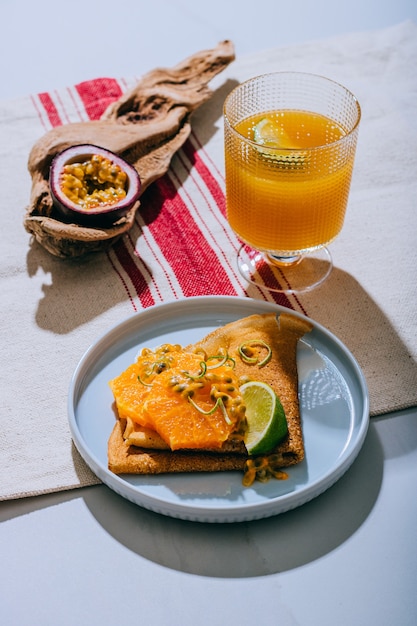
(91, 185)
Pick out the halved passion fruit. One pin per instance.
(91, 185)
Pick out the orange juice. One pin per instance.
(288, 194)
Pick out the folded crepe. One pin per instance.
(281, 334)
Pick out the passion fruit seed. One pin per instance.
(223, 393)
(92, 185)
(262, 469)
(187, 389)
(95, 182)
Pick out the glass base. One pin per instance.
(287, 275)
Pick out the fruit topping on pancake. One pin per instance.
(228, 402)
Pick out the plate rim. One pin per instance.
(234, 512)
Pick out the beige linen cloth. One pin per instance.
(52, 310)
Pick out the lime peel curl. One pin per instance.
(255, 360)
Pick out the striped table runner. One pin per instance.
(181, 226)
(181, 245)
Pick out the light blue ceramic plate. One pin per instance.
(334, 409)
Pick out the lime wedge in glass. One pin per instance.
(269, 134)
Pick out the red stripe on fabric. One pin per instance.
(39, 112)
(134, 252)
(76, 104)
(214, 190)
(158, 258)
(98, 94)
(202, 211)
(218, 195)
(64, 119)
(217, 192)
(137, 278)
(268, 276)
(194, 263)
(300, 306)
(50, 109)
(282, 299)
(200, 147)
(212, 184)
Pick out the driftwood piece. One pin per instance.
(146, 126)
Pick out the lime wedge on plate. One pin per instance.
(265, 416)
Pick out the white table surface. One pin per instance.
(89, 557)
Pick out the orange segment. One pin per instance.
(183, 426)
(130, 394)
(154, 392)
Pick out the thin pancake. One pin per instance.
(281, 335)
(125, 459)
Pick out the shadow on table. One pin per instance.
(344, 307)
(248, 549)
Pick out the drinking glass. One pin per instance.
(290, 142)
